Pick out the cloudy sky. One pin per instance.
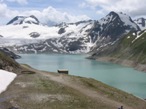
(68, 10)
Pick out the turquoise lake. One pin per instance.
(124, 78)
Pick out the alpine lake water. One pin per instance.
(124, 78)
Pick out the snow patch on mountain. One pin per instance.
(19, 32)
(141, 22)
(138, 35)
(127, 20)
(29, 19)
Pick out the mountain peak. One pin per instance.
(113, 13)
(112, 16)
(113, 26)
(24, 20)
(119, 18)
(126, 19)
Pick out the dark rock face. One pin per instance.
(9, 53)
(34, 34)
(73, 46)
(1, 36)
(18, 20)
(141, 22)
(37, 21)
(61, 31)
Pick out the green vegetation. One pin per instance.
(139, 49)
(8, 63)
(7, 59)
(111, 92)
(130, 48)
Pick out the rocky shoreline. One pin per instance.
(124, 62)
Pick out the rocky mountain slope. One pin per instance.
(9, 53)
(131, 48)
(79, 37)
(9, 64)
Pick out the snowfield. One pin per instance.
(14, 35)
(23, 31)
(5, 79)
(126, 20)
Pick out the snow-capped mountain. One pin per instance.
(141, 22)
(113, 26)
(24, 20)
(79, 37)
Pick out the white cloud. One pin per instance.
(5, 12)
(53, 15)
(47, 15)
(96, 3)
(83, 5)
(3, 8)
(132, 7)
(22, 2)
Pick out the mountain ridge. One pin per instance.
(24, 19)
(130, 50)
(79, 37)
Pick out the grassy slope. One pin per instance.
(126, 48)
(131, 49)
(8, 63)
(139, 49)
(34, 90)
(37, 91)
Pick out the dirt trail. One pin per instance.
(65, 80)
(88, 92)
